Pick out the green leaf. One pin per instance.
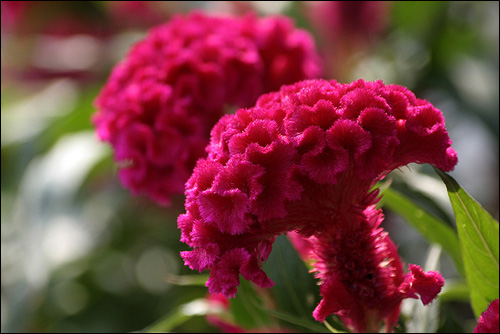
(246, 307)
(291, 300)
(295, 291)
(479, 241)
(432, 228)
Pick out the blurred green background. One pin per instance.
(80, 254)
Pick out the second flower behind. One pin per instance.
(159, 104)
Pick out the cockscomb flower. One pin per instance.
(160, 102)
(488, 321)
(305, 159)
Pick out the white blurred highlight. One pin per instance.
(46, 228)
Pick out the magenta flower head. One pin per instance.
(488, 321)
(160, 102)
(305, 159)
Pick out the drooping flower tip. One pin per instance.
(160, 102)
(225, 278)
(488, 321)
(426, 284)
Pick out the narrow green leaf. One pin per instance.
(432, 228)
(199, 280)
(178, 316)
(479, 241)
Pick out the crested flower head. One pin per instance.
(488, 321)
(305, 159)
(160, 102)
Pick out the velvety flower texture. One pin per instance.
(488, 321)
(305, 159)
(160, 102)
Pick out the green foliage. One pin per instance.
(291, 300)
(295, 289)
(408, 16)
(245, 307)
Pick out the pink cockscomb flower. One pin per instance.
(305, 159)
(488, 321)
(160, 102)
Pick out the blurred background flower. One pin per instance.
(80, 254)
